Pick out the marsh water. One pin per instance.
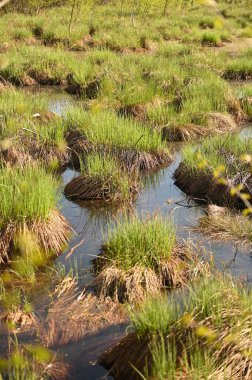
(90, 223)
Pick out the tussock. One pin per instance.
(90, 90)
(83, 188)
(204, 187)
(130, 158)
(25, 150)
(14, 156)
(226, 225)
(137, 111)
(102, 179)
(206, 338)
(184, 132)
(52, 234)
(129, 352)
(216, 123)
(134, 284)
(216, 167)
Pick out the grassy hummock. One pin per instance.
(142, 257)
(29, 131)
(202, 334)
(29, 199)
(135, 146)
(240, 68)
(225, 224)
(37, 65)
(101, 179)
(198, 173)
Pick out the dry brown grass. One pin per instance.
(216, 123)
(11, 155)
(72, 315)
(134, 284)
(137, 111)
(18, 319)
(66, 315)
(226, 225)
(52, 235)
(129, 352)
(26, 148)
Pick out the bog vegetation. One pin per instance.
(146, 78)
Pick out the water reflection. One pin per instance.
(90, 224)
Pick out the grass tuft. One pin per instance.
(202, 333)
(143, 257)
(29, 207)
(102, 179)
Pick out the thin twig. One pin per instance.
(73, 249)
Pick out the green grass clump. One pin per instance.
(197, 359)
(141, 257)
(136, 242)
(218, 171)
(45, 66)
(207, 23)
(240, 67)
(155, 316)
(107, 128)
(27, 194)
(38, 132)
(17, 110)
(159, 314)
(205, 299)
(211, 39)
(245, 93)
(107, 171)
(102, 166)
(203, 95)
(195, 328)
(31, 64)
(19, 104)
(216, 152)
(193, 100)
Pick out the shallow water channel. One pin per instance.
(90, 224)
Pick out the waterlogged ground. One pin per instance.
(158, 194)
